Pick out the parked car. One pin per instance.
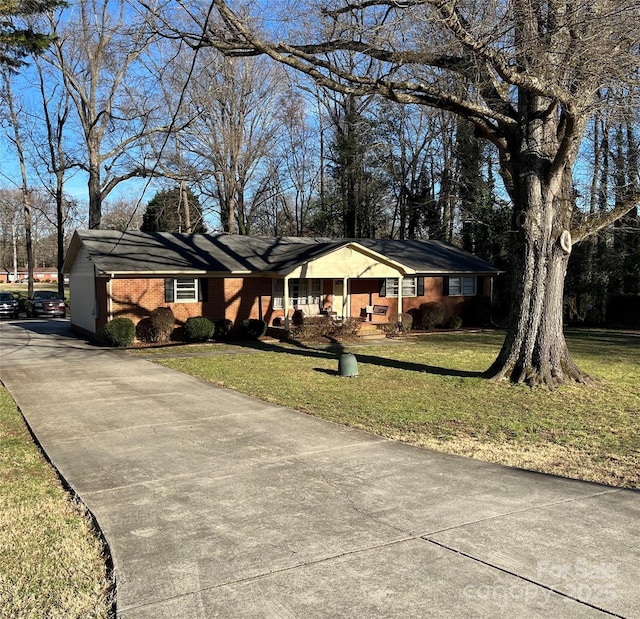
(8, 305)
(46, 303)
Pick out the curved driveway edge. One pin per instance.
(215, 504)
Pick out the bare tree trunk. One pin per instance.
(57, 161)
(61, 217)
(14, 242)
(535, 351)
(94, 187)
(97, 53)
(16, 138)
(184, 201)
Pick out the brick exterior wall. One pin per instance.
(137, 298)
(239, 299)
(236, 299)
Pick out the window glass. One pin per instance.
(301, 292)
(278, 293)
(455, 286)
(186, 289)
(462, 286)
(392, 287)
(409, 287)
(468, 286)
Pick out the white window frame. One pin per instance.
(185, 289)
(409, 287)
(309, 292)
(277, 294)
(463, 286)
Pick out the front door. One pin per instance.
(338, 298)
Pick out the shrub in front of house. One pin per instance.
(161, 322)
(222, 329)
(198, 329)
(348, 327)
(311, 328)
(297, 320)
(144, 332)
(119, 332)
(455, 322)
(398, 323)
(431, 315)
(253, 328)
(324, 328)
(416, 319)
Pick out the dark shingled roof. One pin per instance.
(163, 252)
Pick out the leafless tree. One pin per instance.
(299, 158)
(233, 134)
(15, 137)
(10, 230)
(49, 142)
(121, 214)
(97, 53)
(526, 74)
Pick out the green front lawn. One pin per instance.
(51, 562)
(429, 392)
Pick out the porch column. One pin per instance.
(285, 303)
(110, 299)
(400, 280)
(345, 297)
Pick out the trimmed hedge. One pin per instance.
(431, 315)
(198, 329)
(119, 332)
(162, 322)
(254, 328)
(222, 329)
(398, 323)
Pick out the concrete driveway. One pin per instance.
(215, 504)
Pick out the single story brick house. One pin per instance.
(224, 276)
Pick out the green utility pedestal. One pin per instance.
(348, 365)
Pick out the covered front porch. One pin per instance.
(350, 282)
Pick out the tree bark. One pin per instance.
(95, 199)
(535, 351)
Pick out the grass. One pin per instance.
(429, 393)
(52, 564)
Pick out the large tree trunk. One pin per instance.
(534, 350)
(95, 194)
(61, 218)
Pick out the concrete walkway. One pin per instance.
(215, 504)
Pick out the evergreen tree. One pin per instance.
(358, 190)
(16, 41)
(174, 210)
